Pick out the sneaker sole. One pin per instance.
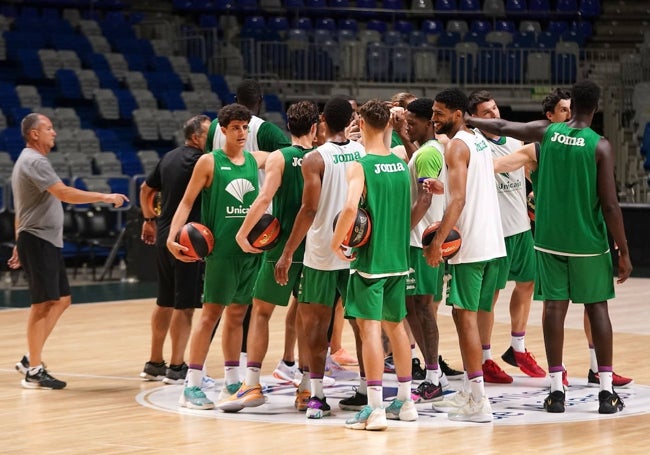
(352, 407)
(475, 418)
(377, 426)
(318, 415)
(282, 377)
(618, 386)
(235, 406)
(201, 407)
(171, 381)
(34, 385)
(150, 377)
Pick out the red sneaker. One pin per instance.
(617, 380)
(525, 361)
(494, 374)
(565, 379)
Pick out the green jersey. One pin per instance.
(225, 203)
(262, 135)
(288, 199)
(568, 215)
(395, 140)
(388, 202)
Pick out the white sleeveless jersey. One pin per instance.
(437, 207)
(337, 159)
(511, 188)
(480, 220)
(251, 143)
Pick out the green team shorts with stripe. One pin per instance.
(230, 280)
(422, 278)
(581, 279)
(472, 285)
(376, 299)
(321, 286)
(268, 290)
(519, 264)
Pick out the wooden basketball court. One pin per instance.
(100, 349)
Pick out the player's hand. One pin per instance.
(432, 254)
(341, 253)
(178, 251)
(433, 186)
(148, 234)
(14, 261)
(116, 199)
(245, 245)
(352, 131)
(281, 271)
(624, 267)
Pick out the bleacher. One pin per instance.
(118, 81)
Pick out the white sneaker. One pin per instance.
(336, 371)
(474, 411)
(207, 382)
(402, 410)
(284, 372)
(368, 419)
(444, 382)
(458, 400)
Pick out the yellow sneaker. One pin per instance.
(245, 397)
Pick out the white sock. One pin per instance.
(404, 391)
(414, 352)
(433, 376)
(477, 387)
(363, 386)
(606, 380)
(252, 376)
(375, 396)
(231, 374)
(518, 344)
(317, 388)
(35, 369)
(556, 381)
(487, 353)
(593, 361)
(194, 378)
(304, 381)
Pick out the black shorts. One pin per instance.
(44, 267)
(180, 284)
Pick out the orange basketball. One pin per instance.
(450, 246)
(266, 233)
(197, 238)
(359, 232)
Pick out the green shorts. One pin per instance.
(377, 299)
(472, 285)
(579, 279)
(321, 286)
(422, 278)
(267, 289)
(230, 280)
(519, 265)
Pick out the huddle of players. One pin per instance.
(230, 278)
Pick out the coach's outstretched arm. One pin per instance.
(527, 132)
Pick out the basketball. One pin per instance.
(266, 233)
(197, 238)
(359, 232)
(531, 206)
(450, 246)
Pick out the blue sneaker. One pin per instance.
(229, 390)
(368, 419)
(194, 398)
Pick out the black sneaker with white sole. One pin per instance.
(154, 371)
(42, 380)
(22, 366)
(554, 402)
(175, 374)
(609, 402)
(446, 369)
(354, 403)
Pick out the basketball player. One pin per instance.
(472, 205)
(227, 179)
(574, 185)
(323, 274)
(519, 264)
(424, 283)
(179, 283)
(283, 185)
(376, 289)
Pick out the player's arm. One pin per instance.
(201, 178)
(148, 234)
(261, 158)
(609, 204)
(312, 171)
(427, 165)
(72, 195)
(524, 157)
(528, 132)
(356, 183)
(457, 160)
(272, 181)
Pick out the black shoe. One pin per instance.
(554, 402)
(610, 402)
(354, 403)
(509, 357)
(427, 392)
(417, 372)
(22, 366)
(175, 374)
(41, 380)
(389, 364)
(446, 369)
(154, 371)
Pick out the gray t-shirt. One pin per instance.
(38, 212)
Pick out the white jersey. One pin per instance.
(480, 221)
(337, 158)
(437, 207)
(511, 188)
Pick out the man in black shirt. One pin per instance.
(179, 283)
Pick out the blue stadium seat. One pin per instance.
(272, 103)
(278, 24)
(404, 27)
(8, 96)
(377, 62)
(364, 8)
(67, 84)
(589, 8)
(445, 5)
(12, 141)
(107, 79)
(513, 66)
(539, 8)
(515, 7)
(401, 64)
(645, 141)
(208, 21)
(523, 40)
(547, 40)
(490, 66)
(30, 63)
(392, 37)
(293, 4)
(569, 7)
(325, 23)
(504, 25)
(316, 5)
(583, 27)
(349, 24)
(469, 6)
(137, 62)
(416, 38)
(377, 24)
(557, 27)
(432, 27)
(574, 35)
(480, 26)
(108, 140)
(303, 23)
(126, 103)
